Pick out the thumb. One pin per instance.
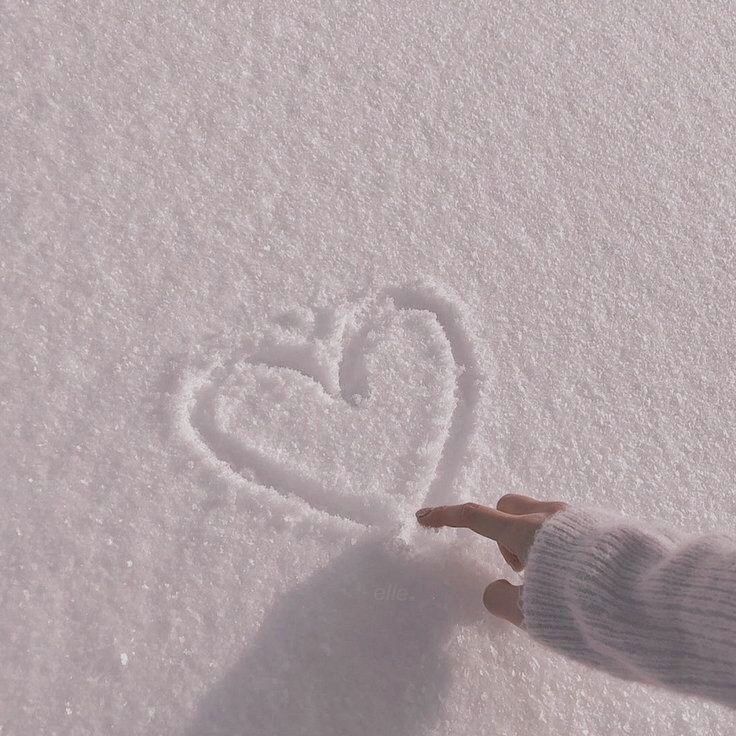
(503, 599)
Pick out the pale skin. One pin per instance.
(512, 525)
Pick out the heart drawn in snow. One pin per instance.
(362, 412)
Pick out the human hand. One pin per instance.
(512, 525)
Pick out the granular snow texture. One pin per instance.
(275, 275)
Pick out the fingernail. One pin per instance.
(423, 512)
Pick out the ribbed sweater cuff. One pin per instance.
(552, 594)
(638, 599)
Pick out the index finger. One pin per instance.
(483, 520)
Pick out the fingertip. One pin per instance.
(425, 517)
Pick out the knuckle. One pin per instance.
(532, 522)
(491, 598)
(469, 510)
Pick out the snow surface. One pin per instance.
(275, 275)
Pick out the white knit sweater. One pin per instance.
(643, 602)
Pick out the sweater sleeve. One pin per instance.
(643, 602)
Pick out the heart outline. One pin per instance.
(238, 462)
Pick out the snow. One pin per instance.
(275, 276)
